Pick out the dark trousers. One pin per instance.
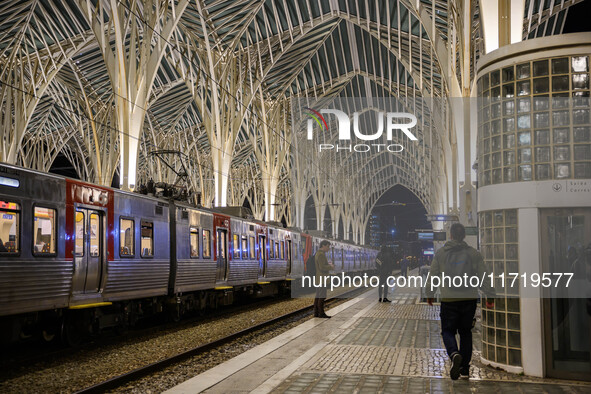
(319, 301)
(457, 317)
(383, 287)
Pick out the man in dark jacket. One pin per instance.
(385, 265)
(458, 304)
(323, 268)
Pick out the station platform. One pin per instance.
(366, 347)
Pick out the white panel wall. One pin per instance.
(532, 344)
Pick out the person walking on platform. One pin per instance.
(385, 265)
(458, 304)
(323, 268)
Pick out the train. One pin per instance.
(77, 258)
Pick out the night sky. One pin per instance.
(408, 217)
(577, 18)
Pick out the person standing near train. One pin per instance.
(323, 268)
(385, 265)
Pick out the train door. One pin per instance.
(88, 248)
(262, 255)
(222, 254)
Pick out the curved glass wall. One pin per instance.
(534, 121)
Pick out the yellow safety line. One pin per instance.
(263, 283)
(223, 287)
(96, 304)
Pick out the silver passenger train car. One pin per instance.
(74, 255)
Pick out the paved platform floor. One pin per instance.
(367, 347)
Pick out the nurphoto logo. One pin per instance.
(366, 125)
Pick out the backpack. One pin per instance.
(459, 262)
(311, 265)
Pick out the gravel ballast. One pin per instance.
(93, 365)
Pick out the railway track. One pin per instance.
(152, 368)
(28, 353)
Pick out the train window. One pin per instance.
(277, 252)
(126, 238)
(9, 227)
(79, 234)
(10, 182)
(222, 244)
(251, 248)
(244, 247)
(44, 231)
(236, 246)
(147, 239)
(288, 250)
(206, 244)
(194, 241)
(282, 249)
(94, 235)
(270, 250)
(263, 250)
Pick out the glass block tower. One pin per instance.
(534, 179)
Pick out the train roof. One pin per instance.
(11, 169)
(66, 178)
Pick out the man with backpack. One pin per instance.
(458, 304)
(323, 268)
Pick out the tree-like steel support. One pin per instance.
(194, 77)
(30, 61)
(141, 32)
(270, 138)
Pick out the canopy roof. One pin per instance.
(54, 62)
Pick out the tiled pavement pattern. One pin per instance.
(313, 383)
(358, 359)
(415, 311)
(397, 348)
(395, 333)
